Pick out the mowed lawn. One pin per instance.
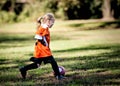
(90, 54)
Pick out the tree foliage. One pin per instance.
(64, 9)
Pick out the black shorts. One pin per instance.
(46, 60)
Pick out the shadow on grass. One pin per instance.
(99, 79)
(22, 38)
(9, 65)
(103, 60)
(14, 38)
(107, 61)
(97, 25)
(92, 47)
(116, 23)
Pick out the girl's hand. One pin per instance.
(42, 42)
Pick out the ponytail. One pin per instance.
(39, 20)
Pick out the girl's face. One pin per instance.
(49, 22)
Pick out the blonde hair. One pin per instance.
(47, 16)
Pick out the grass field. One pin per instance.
(89, 51)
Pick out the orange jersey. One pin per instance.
(42, 51)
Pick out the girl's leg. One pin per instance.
(31, 66)
(24, 69)
(54, 66)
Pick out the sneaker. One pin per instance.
(60, 77)
(23, 72)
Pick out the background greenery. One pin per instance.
(29, 10)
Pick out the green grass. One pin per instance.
(90, 57)
(96, 24)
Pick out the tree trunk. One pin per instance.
(12, 6)
(107, 11)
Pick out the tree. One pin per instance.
(107, 10)
(74, 9)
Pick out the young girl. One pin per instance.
(42, 51)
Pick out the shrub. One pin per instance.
(7, 17)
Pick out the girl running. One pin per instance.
(42, 51)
